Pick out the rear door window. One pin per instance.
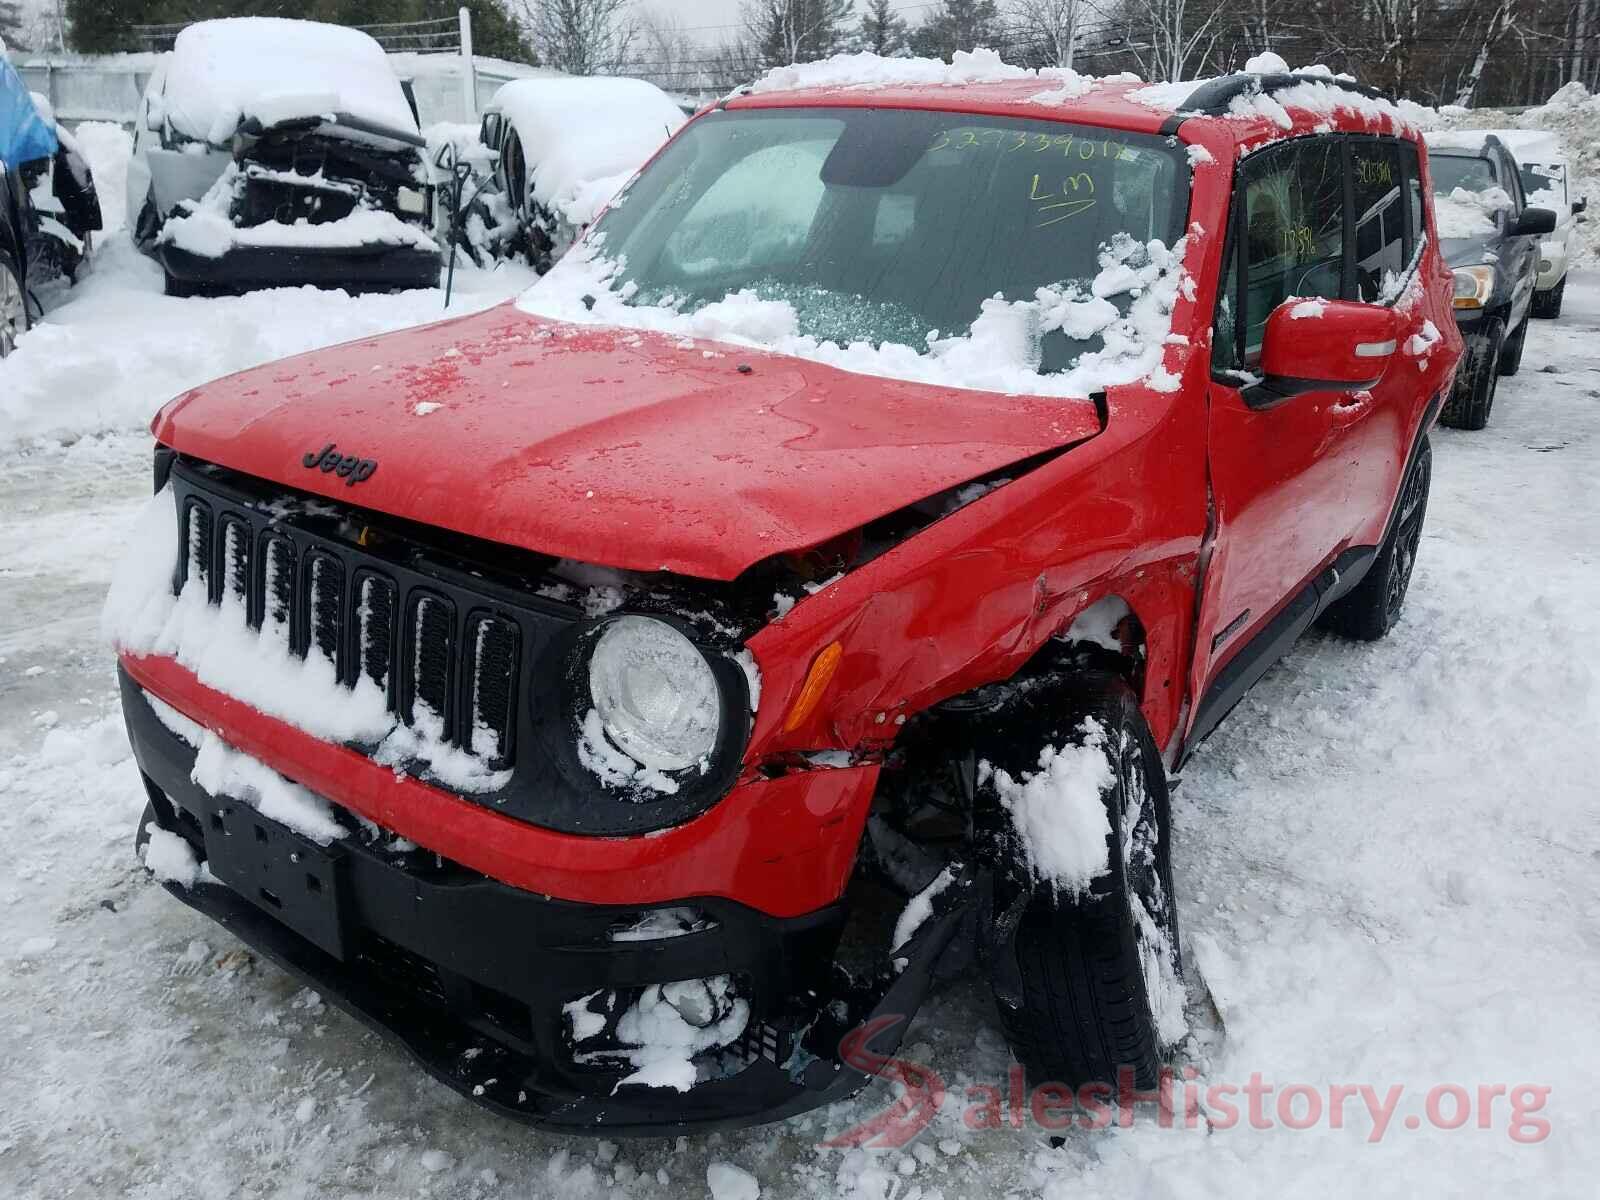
(1380, 217)
(1413, 170)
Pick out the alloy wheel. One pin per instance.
(1407, 537)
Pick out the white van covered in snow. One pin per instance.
(1542, 164)
(272, 152)
(565, 147)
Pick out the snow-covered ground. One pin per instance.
(1388, 863)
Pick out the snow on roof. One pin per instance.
(584, 137)
(1319, 92)
(1468, 141)
(865, 70)
(1529, 145)
(223, 72)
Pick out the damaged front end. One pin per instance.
(333, 203)
(546, 998)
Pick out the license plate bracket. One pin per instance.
(287, 875)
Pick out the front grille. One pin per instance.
(459, 665)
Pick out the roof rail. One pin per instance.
(1213, 97)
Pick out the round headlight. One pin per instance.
(656, 695)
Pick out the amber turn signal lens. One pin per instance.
(817, 680)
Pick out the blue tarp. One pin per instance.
(24, 134)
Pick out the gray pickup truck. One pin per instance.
(1489, 237)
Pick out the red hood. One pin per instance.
(625, 449)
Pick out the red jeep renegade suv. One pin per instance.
(629, 697)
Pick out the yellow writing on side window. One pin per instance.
(1374, 170)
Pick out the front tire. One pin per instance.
(1101, 996)
(1511, 352)
(1473, 395)
(1373, 606)
(1547, 304)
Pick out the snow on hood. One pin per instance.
(274, 70)
(584, 138)
(1465, 214)
(641, 451)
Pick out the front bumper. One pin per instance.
(469, 975)
(354, 268)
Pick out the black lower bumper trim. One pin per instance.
(469, 975)
(356, 268)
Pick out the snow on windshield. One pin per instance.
(224, 72)
(979, 252)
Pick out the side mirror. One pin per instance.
(1580, 205)
(1536, 221)
(1323, 345)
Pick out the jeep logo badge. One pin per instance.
(348, 467)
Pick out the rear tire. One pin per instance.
(1101, 996)
(1373, 606)
(1473, 395)
(1547, 304)
(1511, 352)
(14, 320)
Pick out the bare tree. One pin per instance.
(1050, 29)
(794, 31)
(667, 56)
(1501, 19)
(581, 37)
(1180, 34)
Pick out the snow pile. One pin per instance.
(1468, 214)
(728, 1182)
(672, 1022)
(611, 766)
(1312, 95)
(999, 352)
(918, 909)
(582, 139)
(223, 771)
(169, 858)
(1058, 811)
(225, 72)
(208, 230)
(866, 70)
(141, 616)
(1572, 118)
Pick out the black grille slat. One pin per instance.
(375, 597)
(234, 570)
(324, 575)
(277, 584)
(197, 542)
(432, 644)
(445, 662)
(491, 701)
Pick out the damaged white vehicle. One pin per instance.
(563, 147)
(273, 152)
